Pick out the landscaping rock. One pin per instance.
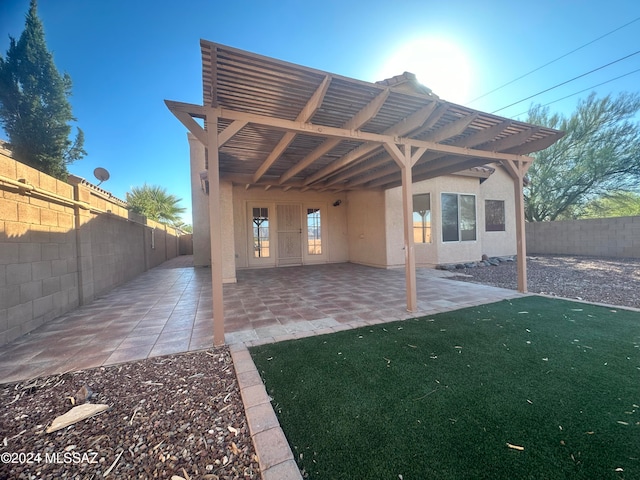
(613, 281)
(82, 395)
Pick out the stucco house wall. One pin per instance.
(364, 226)
(499, 186)
(199, 205)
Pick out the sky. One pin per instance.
(126, 57)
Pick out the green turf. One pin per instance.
(440, 397)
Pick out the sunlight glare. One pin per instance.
(438, 64)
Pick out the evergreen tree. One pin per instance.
(155, 203)
(34, 107)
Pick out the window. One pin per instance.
(314, 232)
(260, 225)
(494, 215)
(458, 217)
(422, 218)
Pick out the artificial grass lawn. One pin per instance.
(440, 397)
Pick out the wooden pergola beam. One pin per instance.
(358, 120)
(362, 167)
(305, 114)
(471, 141)
(374, 139)
(409, 124)
(512, 140)
(452, 129)
(230, 131)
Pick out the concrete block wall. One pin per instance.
(164, 246)
(38, 262)
(186, 244)
(603, 237)
(62, 244)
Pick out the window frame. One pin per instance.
(459, 231)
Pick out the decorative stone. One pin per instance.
(83, 394)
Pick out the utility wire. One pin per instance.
(582, 91)
(553, 61)
(568, 81)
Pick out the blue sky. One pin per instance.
(125, 57)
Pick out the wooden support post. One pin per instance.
(517, 170)
(405, 161)
(215, 224)
(521, 241)
(409, 251)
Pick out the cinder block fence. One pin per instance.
(62, 244)
(602, 237)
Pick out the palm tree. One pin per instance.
(155, 203)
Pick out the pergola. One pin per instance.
(273, 124)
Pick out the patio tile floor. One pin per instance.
(168, 310)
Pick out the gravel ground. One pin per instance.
(173, 417)
(614, 281)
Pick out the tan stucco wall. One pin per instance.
(200, 216)
(366, 228)
(334, 224)
(366, 233)
(199, 206)
(426, 253)
(498, 186)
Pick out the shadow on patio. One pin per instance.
(168, 310)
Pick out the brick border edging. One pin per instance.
(275, 457)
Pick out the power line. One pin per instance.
(582, 91)
(553, 61)
(568, 81)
